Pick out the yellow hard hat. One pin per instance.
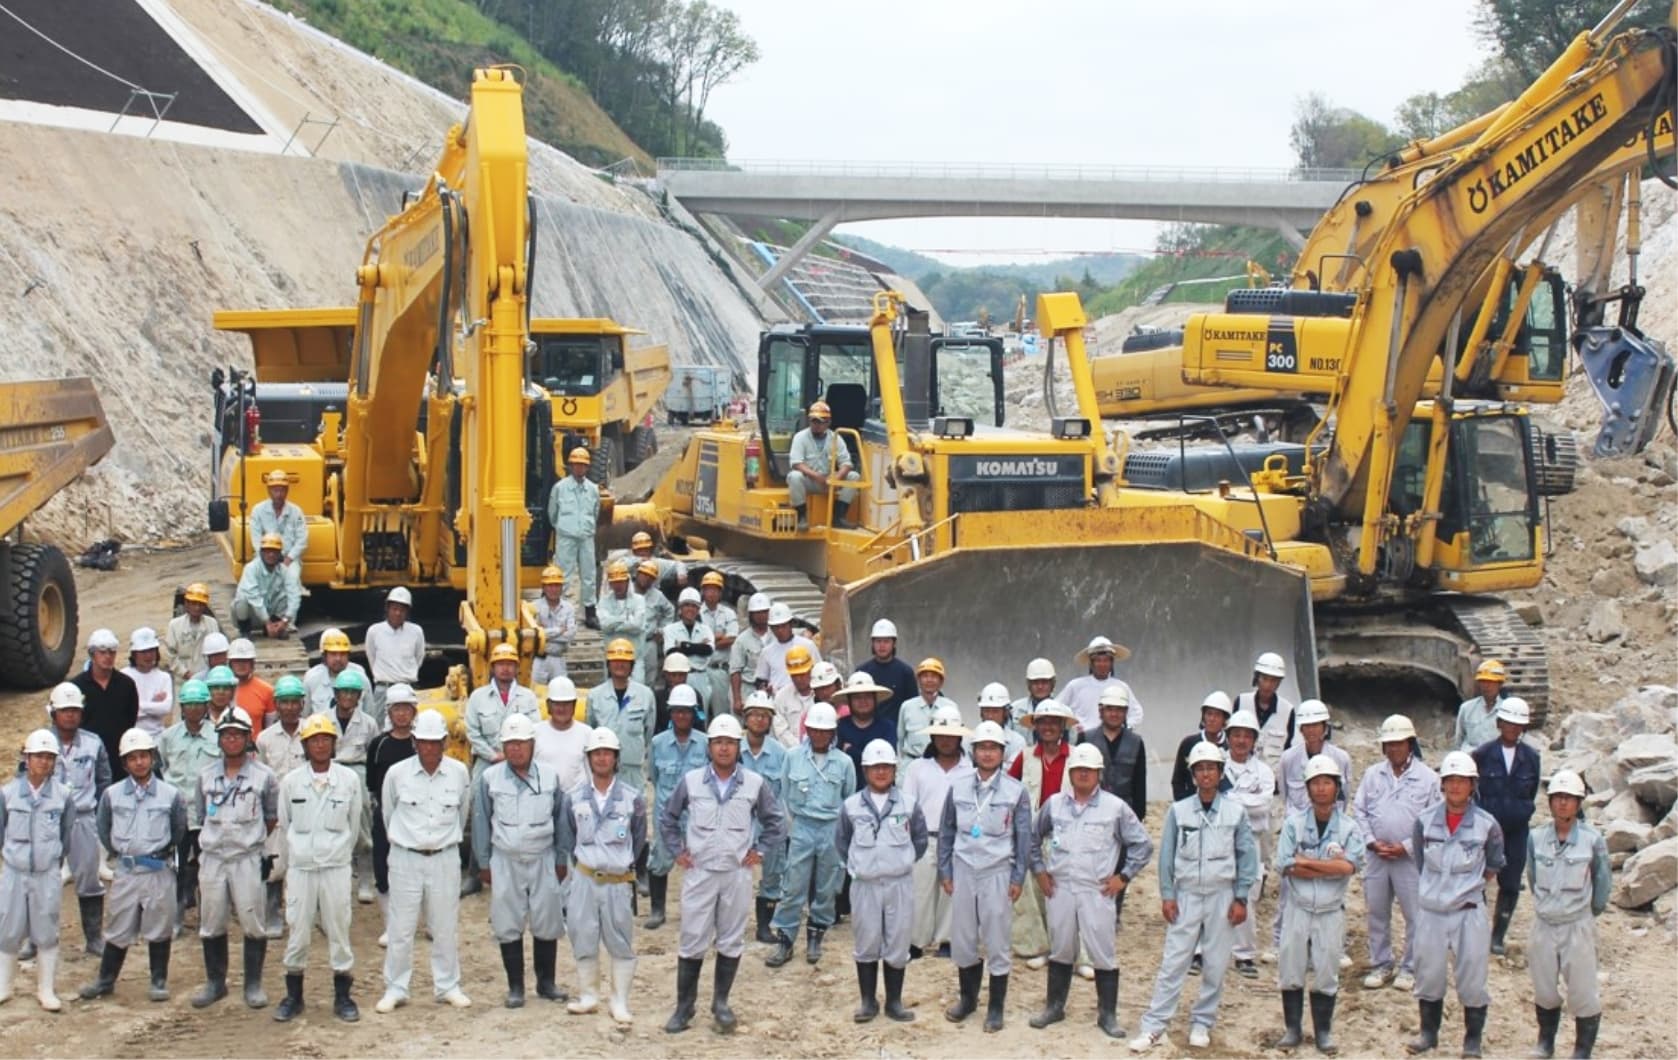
(1491, 670)
(580, 455)
(931, 665)
(799, 660)
(334, 640)
(503, 653)
(820, 411)
(553, 576)
(198, 592)
(273, 541)
(318, 725)
(712, 578)
(642, 539)
(617, 571)
(276, 477)
(620, 650)
(647, 567)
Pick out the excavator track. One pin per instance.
(1498, 632)
(784, 585)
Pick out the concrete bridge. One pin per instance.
(832, 193)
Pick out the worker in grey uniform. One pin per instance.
(1393, 794)
(1320, 850)
(764, 755)
(605, 832)
(675, 752)
(37, 816)
(984, 852)
(84, 769)
(486, 709)
(558, 620)
(743, 654)
(621, 613)
(280, 516)
(356, 732)
(724, 624)
(880, 836)
(142, 819)
(657, 612)
(1082, 825)
(574, 514)
(1207, 862)
(690, 637)
(1569, 872)
(1457, 848)
(320, 816)
(517, 821)
(819, 778)
(720, 802)
(818, 455)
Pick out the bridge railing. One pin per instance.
(1006, 171)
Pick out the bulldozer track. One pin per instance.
(1498, 632)
(273, 657)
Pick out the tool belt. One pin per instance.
(142, 863)
(606, 877)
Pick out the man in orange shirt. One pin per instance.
(252, 693)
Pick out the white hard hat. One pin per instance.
(235, 718)
(1052, 708)
(214, 644)
(994, 694)
(1271, 665)
(40, 742)
(65, 696)
(430, 725)
(135, 740)
(1085, 756)
(823, 675)
(726, 727)
(779, 614)
(1205, 751)
(400, 693)
(878, 753)
(690, 595)
(1323, 766)
(989, 732)
(1115, 696)
(1459, 764)
(562, 690)
(677, 663)
(1100, 645)
(1311, 712)
(946, 721)
(758, 699)
(241, 649)
(143, 639)
(602, 739)
(103, 640)
(1039, 670)
(517, 727)
(1514, 709)
(885, 627)
(1565, 782)
(758, 602)
(1244, 719)
(821, 716)
(1218, 701)
(1397, 727)
(683, 696)
(399, 595)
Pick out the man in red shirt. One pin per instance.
(1041, 768)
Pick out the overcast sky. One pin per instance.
(1108, 82)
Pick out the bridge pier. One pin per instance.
(795, 253)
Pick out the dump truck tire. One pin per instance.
(604, 463)
(37, 616)
(643, 446)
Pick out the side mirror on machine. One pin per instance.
(220, 520)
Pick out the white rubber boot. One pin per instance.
(623, 974)
(46, 972)
(588, 974)
(8, 972)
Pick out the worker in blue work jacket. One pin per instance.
(764, 755)
(819, 778)
(1508, 790)
(675, 752)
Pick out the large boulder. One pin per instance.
(1656, 563)
(1649, 709)
(1650, 873)
(1589, 731)
(1656, 785)
(1625, 806)
(1606, 622)
(1626, 835)
(1668, 827)
(1645, 749)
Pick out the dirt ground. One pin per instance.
(795, 1011)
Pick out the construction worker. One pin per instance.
(641, 551)
(560, 742)
(915, 713)
(237, 798)
(1124, 756)
(37, 818)
(110, 700)
(771, 673)
(1253, 785)
(743, 655)
(1215, 711)
(1477, 717)
(1458, 847)
(184, 750)
(1039, 685)
(690, 637)
(796, 697)
(1083, 693)
(927, 782)
(334, 660)
(1314, 738)
(994, 705)
(321, 810)
(881, 835)
(425, 801)
(281, 749)
(142, 819)
(486, 709)
(984, 852)
(764, 755)
(719, 802)
(1393, 795)
(1273, 711)
(1083, 825)
(1042, 769)
(214, 650)
(252, 693)
(625, 706)
(862, 722)
(154, 685)
(356, 733)
(620, 613)
(85, 772)
(818, 780)
(824, 686)
(386, 750)
(1321, 849)
(283, 519)
(1567, 866)
(724, 625)
(1207, 862)
(1508, 790)
(517, 816)
(605, 835)
(558, 620)
(888, 670)
(574, 514)
(675, 752)
(816, 457)
(183, 637)
(657, 612)
(267, 596)
(395, 647)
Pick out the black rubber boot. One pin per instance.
(1060, 984)
(968, 978)
(841, 509)
(998, 999)
(783, 950)
(1322, 1022)
(1433, 1012)
(659, 888)
(1473, 1026)
(1504, 913)
(343, 1005)
(512, 960)
(110, 966)
(471, 883)
(1584, 1036)
(1293, 1020)
(1107, 1001)
(687, 992)
(290, 1006)
(1549, 1021)
(545, 957)
(93, 921)
(590, 619)
(868, 982)
(813, 944)
(722, 1017)
(215, 973)
(803, 511)
(256, 952)
(894, 996)
(765, 912)
(157, 954)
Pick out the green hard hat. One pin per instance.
(348, 681)
(221, 677)
(194, 691)
(289, 687)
